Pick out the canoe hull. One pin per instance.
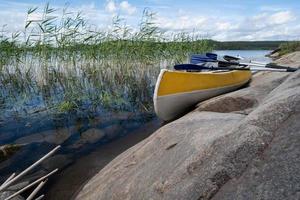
(170, 106)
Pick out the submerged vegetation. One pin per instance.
(64, 64)
(8, 150)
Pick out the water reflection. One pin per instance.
(79, 103)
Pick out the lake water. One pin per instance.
(257, 55)
(100, 128)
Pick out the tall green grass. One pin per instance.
(62, 62)
(289, 47)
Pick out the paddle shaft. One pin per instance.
(258, 64)
(233, 61)
(199, 68)
(267, 66)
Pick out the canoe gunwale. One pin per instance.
(169, 106)
(209, 89)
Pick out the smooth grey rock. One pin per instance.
(291, 59)
(218, 155)
(159, 156)
(275, 173)
(245, 99)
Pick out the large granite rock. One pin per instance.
(291, 59)
(242, 145)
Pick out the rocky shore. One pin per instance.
(241, 145)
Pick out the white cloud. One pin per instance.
(14, 14)
(181, 23)
(268, 8)
(128, 8)
(282, 17)
(125, 7)
(265, 25)
(111, 6)
(12, 22)
(36, 16)
(224, 26)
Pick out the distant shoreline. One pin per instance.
(246, 45)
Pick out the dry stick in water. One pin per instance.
(4, 186)
(40, 197)
(9, 178)
(36, 190)
(30, 185)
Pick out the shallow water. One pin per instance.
(94, 111)
(81, 105)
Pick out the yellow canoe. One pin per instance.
(176, 91)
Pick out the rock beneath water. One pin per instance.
(112, 131)
(55, 136)
(18, 186)
(57, 161)
(216, 155)
(4, 195)
(92, 135)
(38, 173)
(114, 116)
(8, 150)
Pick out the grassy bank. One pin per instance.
(289, 47)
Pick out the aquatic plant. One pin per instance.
(67, 106)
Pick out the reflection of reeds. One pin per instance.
(66, 64)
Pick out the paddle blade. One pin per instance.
(201, 58)
(228, 64)
(190, 67)
(212, 56)
(275, 66)
(231, 58)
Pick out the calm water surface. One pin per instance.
(112, 113)
(257, 55)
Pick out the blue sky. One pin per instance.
(223, 20)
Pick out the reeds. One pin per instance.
(63, 63)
